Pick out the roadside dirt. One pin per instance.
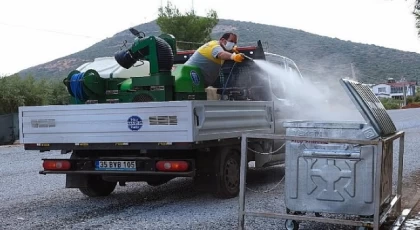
(411, 105)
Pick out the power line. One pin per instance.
(50, 31)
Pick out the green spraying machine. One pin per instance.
(162, 84)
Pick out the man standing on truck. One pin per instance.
(211, 56)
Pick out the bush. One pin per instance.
(390, 103)
(410, 100)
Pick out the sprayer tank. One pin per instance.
(107, 67)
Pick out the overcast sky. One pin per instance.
(37, 31)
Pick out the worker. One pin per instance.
(211, 56)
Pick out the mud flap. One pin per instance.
(205, 178)
(76, 181)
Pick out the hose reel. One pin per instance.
(84, 85)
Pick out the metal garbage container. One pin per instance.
(323, 177)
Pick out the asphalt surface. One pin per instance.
(29, 200)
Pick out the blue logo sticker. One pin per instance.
(194, 77)
(134, 123)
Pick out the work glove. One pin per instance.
(235, 49)
(237, 57)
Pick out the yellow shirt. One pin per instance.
(210, 51)
(206, 59)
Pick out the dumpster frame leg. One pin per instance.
(242, 183)
(378, 180)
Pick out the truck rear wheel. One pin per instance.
(96, 186)
(228, 162)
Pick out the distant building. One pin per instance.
(393, 89)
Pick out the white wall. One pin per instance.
(382, 90)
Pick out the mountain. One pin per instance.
(316, 56)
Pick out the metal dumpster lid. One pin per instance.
(369, 106)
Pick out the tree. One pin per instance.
(58, 94)
(416, 13)
(10, 97)
(17, 91)
(186, 27)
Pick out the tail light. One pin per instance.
(56, 165)
(172, 166)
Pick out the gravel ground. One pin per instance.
(29, 200)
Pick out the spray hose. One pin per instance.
(76, 86)
(227, 80)
(230, 74)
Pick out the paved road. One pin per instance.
(32, 201)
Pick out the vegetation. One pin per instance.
(17, 91)
(390, 103)
(416, 13)
(186, 27)
(411, 102)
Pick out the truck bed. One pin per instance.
(151, 122)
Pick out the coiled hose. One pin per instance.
(76, 86)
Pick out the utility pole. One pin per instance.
(403, 81)
(404, 94)
(353, 75)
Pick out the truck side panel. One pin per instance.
(151, 122)
(107, 123)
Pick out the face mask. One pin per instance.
(229, 45)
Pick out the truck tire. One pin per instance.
(96, 186)
(228, 165)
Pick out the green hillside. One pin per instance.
(316, 56)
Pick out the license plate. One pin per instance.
(116, 165)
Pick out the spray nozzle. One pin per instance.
(247, 57)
